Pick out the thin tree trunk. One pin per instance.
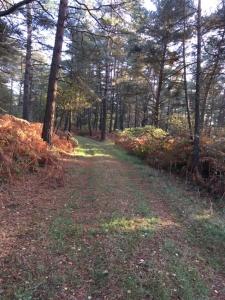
(129, 116)
(11, 97)
(100, 94)
(111, 114)
(145, 114)
(70, 121)
(89, 121)
(196, 148)
(159, 89)
(96, 117)
(60, 121)
(104, 102)
(185, 75)
(121, 116)
(136, 112)
(53, 77)
(115, 126)
(100, 117)
(27, 75)
(66, 124)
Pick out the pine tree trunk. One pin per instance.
(96, 117)
(160, 84)
(121, 115)
(53, 77)
(11, 97)
(104, 102)
(196, 148)
(136, 112)
(70, 121)
(58, 126)
(111, 114)
(27, 75)
(89, 121)
(185, 74)
(145, 114)
(66, 121)
(115, 126)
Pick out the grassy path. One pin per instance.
(117, 230)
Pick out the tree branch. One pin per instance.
(14, 7)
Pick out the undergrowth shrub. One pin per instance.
(174, 153)
(22, 148)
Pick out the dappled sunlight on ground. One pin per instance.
(92, 152)
(204, 215)
(137, 224)
(114, 231)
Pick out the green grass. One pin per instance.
(184, 206)
(129, 225)
(210, 238)
(143, 208)
(151, 286)
(105, 249)
(187, 281)
(62, 231)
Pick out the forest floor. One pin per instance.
(115, 229)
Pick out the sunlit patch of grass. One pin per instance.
(136, 224)
(91, 152)
(203, 215)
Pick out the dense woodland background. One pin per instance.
(80, 218)
(121, 66)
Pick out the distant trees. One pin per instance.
(123, 66)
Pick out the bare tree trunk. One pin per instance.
(159, 89)
(111, 114)
(58, 126)
(104, 102)
(100, 95)
(27, 75)
(144, 121)
(11, 97)
(196, 148)
(66, 121)
(185, 75)
(121, 114)
(89, 121)
(53, 77)
(136, 112)
(129, 116)
(115, 126)
(96, 117)
(70, 121)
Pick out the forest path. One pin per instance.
(118, 229)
